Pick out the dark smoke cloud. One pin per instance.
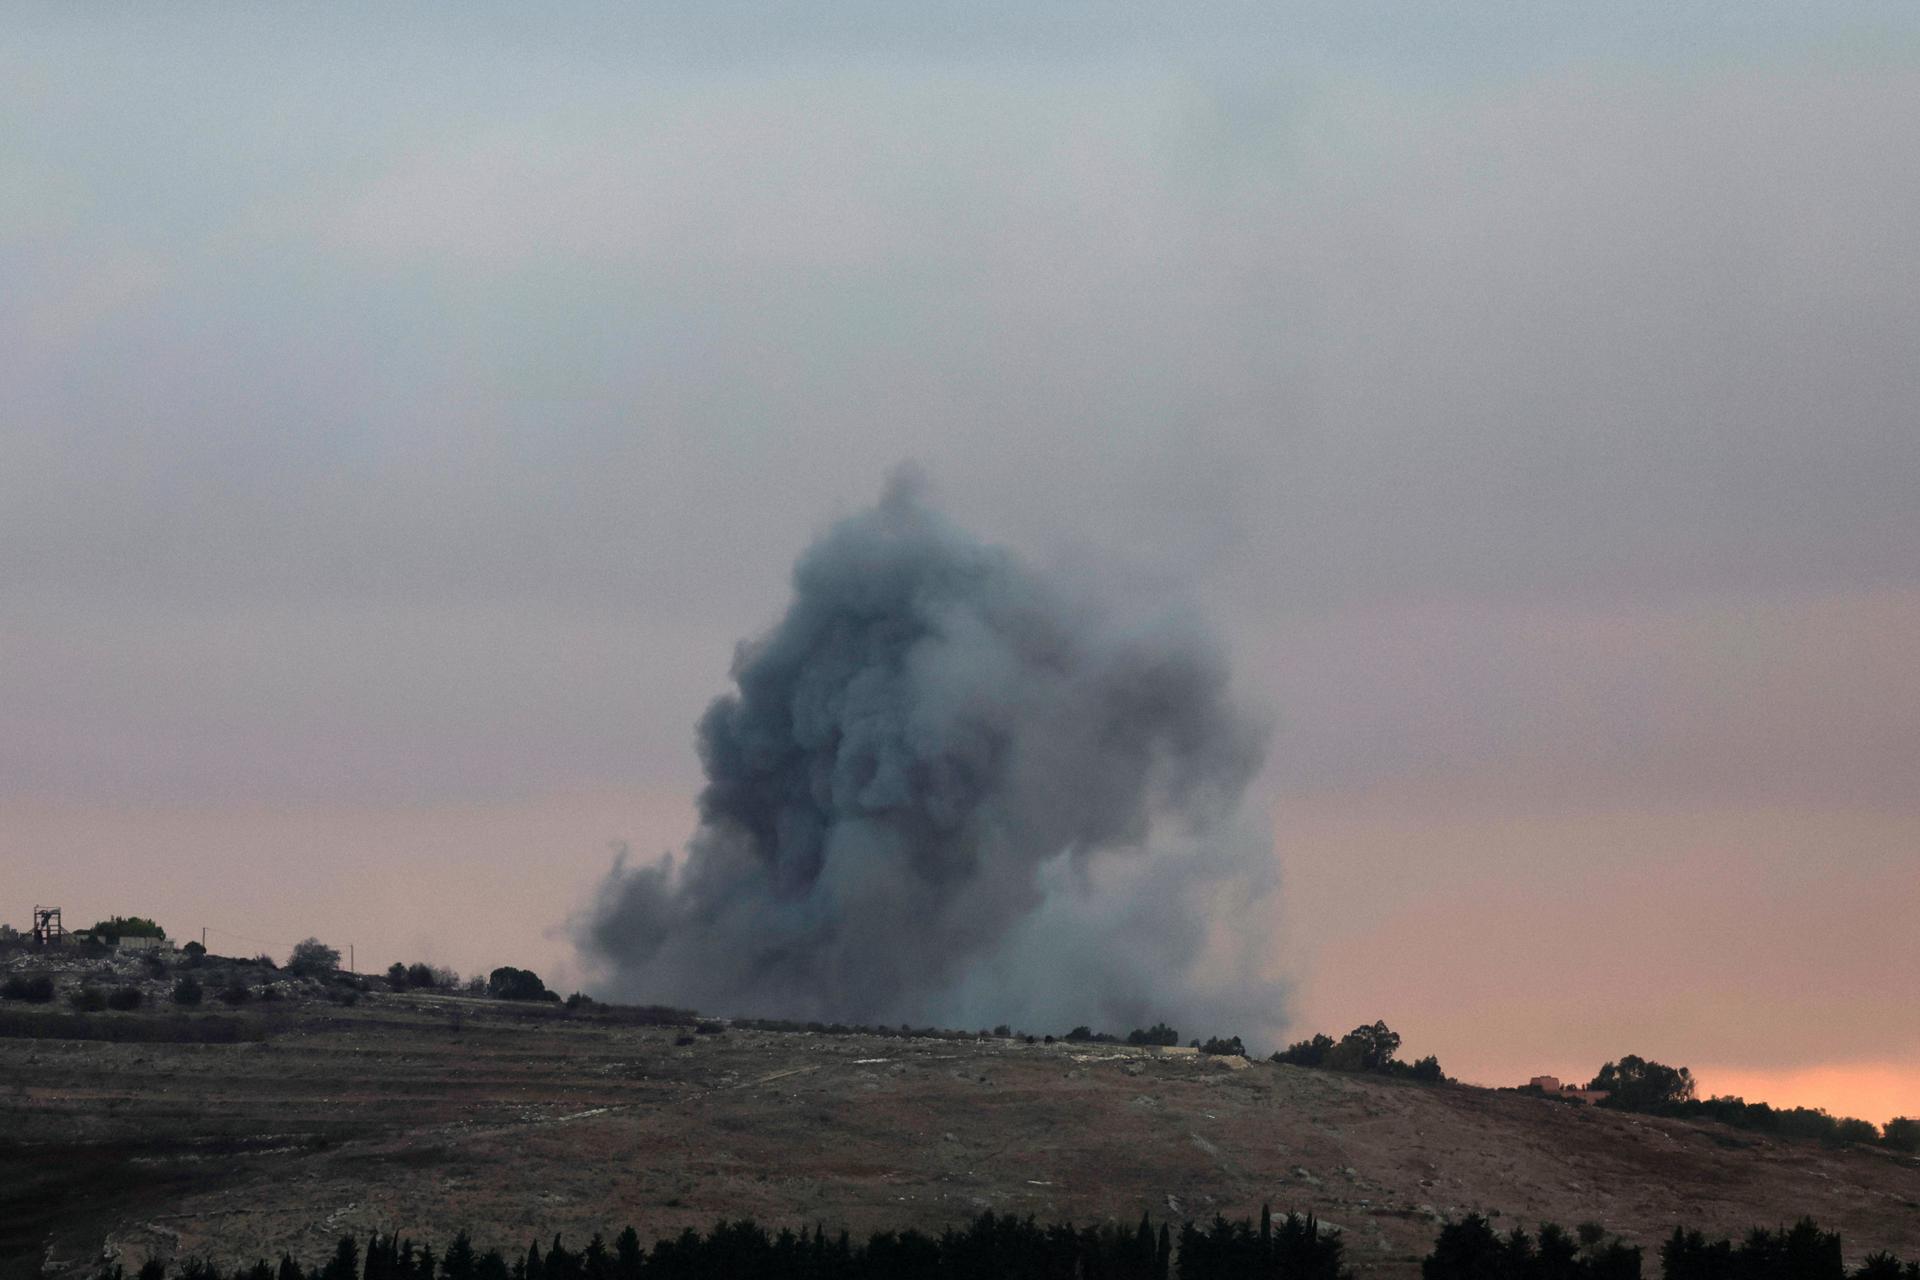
(948, 790)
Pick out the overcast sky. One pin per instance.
(403, 413)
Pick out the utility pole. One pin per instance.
(350, 968)
(203, 937)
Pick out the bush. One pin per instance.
(579, 1000)
(194, 952)
(1231, 1045)
(125, 999)
(88, 999)
(37, 989)
(235, 994)
(187, 992)
(1427, 1069)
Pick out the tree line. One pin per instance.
(990, 1247)
(1004, 1247)
(1365, 1048)
(1641, 1085)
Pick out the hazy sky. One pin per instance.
(403, 413)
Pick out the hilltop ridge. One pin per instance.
(432, 1113)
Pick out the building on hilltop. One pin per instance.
(1551, 1086)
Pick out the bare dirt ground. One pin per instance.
(427, 1114)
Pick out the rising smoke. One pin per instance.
(946, 790)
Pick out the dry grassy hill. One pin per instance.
(428, 1114)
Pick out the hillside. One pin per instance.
(429, 1113)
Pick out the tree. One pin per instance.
(116, 927)
(509, 983)
(313, 958)
(1159, 1033)
(397, 976)
(420, 975)
(186, 991)
(345, 1263)
(1850, 1129)
(1902, 1133)
(1638, 1084)
(1306, 1053)
(1465, 1250)
(1365, 1049)
(460, 1261)
(1427, 1069)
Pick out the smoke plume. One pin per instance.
(946, 790)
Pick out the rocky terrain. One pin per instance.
(426, 1113)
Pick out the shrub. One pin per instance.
(1427, 1069)
(187, 992)
(579, 1000)
(235, 993)
(194, 952)
(125, 999)
(37, 989)
(88, 999)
